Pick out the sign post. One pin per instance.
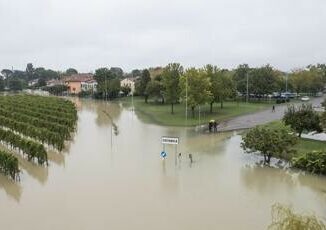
(170, 141)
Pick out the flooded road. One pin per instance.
(115, 179)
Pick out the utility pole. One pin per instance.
(286, 83)
(186, 98)
(199, 116)
(247, 87)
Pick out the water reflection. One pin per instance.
(57, 158)
(38, 172)
(11, 188)
(263, 178)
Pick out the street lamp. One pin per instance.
(186, 98)
(247, 86)
(286, 82)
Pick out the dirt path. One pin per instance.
(262, 117)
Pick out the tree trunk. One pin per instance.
(146, 98)
(211, 108)
(221, 104)
(269, 158)
(193, 111)
(172, 108)
(163, 100)
(300, 134)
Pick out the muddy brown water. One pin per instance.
(115, 179)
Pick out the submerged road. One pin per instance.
(259, 118)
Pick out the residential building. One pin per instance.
(54, 82)
(74, 82)
(90, 85)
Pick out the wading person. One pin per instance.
(190, 158)
(215, 126)
(210, 124)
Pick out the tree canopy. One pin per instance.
(197, 85)
(302, 118)
(170, 79)
(108, 84)
(71, 71)
(270, 142)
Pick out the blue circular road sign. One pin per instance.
(163, 154)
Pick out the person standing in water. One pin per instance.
(190, 158)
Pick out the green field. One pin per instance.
(155, 112)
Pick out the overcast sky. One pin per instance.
(87, 34)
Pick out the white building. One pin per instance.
(128, 82)
(90, 85)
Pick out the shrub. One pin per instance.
(314, 162)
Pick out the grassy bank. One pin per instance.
(155, 112)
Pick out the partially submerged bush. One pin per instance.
(283, 218)
(314, 162)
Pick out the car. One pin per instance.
(305, 98)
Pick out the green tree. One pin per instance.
(154, 89)
(41, 82)
(71, 71)
(6, 73)
(2, 84)
(197, 85)
(306, 81)
(117, 71)
(240, 78)
(15, 84)
(226, 86)
(141, 85)
(170, 79)
(136, 73)
(106, 86)
(222, 85)
(41, 73)
(302, 118)
(212, 74)
(320, 69)
(263, 80)
(270, 142)
(30, 71)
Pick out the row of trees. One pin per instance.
(211, 84)
(50, 109)
(25, 115)
(32, 149)
(193, 86)
(27, 122)
(9, 164)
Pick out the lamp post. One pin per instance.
(186, 98)
(247, 87)
(286, 83)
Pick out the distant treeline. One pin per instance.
(168, 84)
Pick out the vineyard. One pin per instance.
(29, 124)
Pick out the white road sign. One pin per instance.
(170, 140)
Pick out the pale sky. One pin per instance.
(88, 34)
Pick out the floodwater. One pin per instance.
(114, 179)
